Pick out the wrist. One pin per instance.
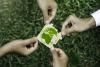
(88, 23)
(92, 22)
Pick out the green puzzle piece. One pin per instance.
(49, 35)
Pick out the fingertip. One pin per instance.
(47, 22)
(35, 45)
(35, 38)
(52, 49)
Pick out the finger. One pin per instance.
(51, 13)
(46, 17)
(32, 49)
(54, 10)
(68, 27)
(54, 53)
(34, 39)
(70, 20)
(60, 52)
(30, 41)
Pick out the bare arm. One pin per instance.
(3, 50)
(75, 24)
(88, 23)
(23, 47)
(60, 59)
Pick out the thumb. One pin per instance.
(31, 40)
(51, 13)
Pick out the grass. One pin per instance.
(21, 19)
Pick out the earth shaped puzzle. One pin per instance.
(49, 35)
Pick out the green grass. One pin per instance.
(21, 19)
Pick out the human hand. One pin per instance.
(75, 24)
(49, 8)
(23, 47)
(60, 59)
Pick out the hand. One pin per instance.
(24, 47)
(75, 24)
(60, 59)
(49, 8)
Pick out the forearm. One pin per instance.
(94, 20)
(3, 50)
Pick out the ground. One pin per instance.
(22, 19)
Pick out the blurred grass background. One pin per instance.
(21, 19)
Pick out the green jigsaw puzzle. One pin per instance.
(49, 35)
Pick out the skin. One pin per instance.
(48, 8)
(23, 47)
(74, 24)
(26, 47)
(60, 59)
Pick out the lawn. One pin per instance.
(21, 19)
